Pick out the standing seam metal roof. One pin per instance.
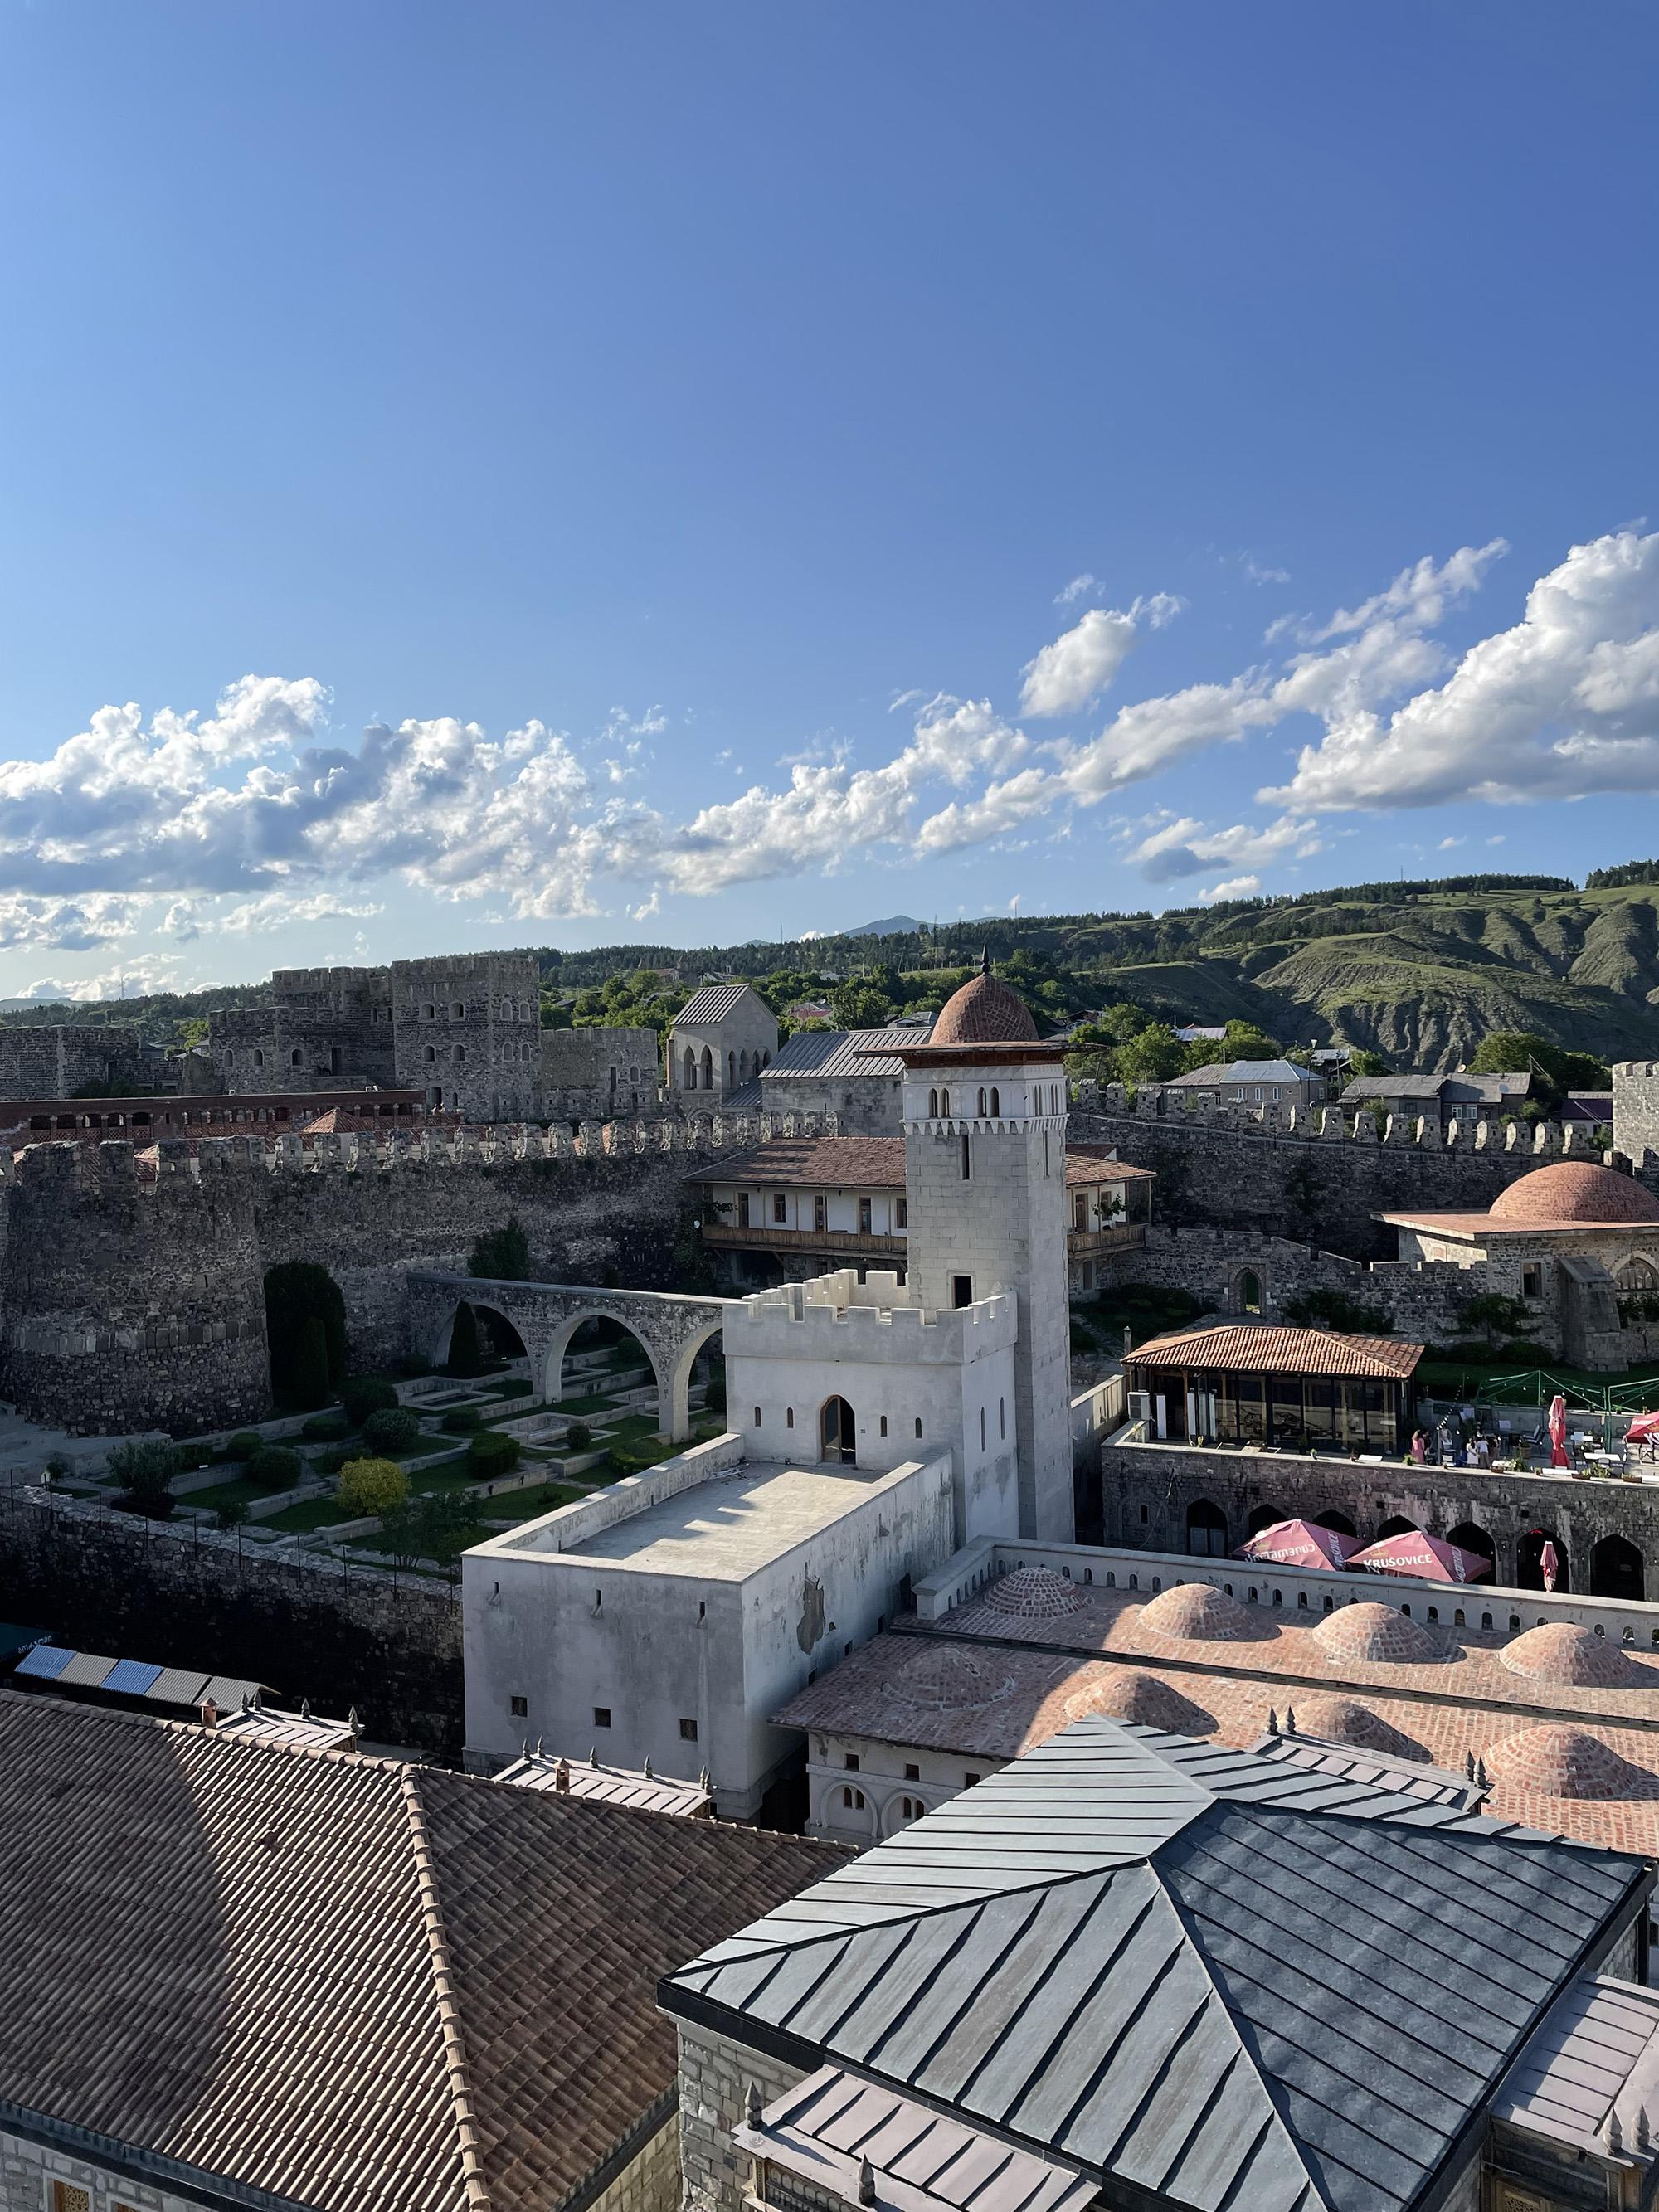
(1182, 1966)
(836, 1051)
(711, 1004)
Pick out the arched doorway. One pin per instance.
(1339, 1522)
(1395, 1525)
(1248, 1287)
(837, 1432)
(1617, 1569)
(601, 1370)
(1263, 1517)
(1207, 1530)
(1528, 1575)
(1469, 1536)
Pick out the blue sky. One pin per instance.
(540, 474)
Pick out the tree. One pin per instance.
(1554, 1071)
(1152, 1056)
(372, 1487)
(1497, 1317)
(145, 1471)
(858, 1004)
(298, 1291)
(465, 1358)
(307, 1381)
(1244, 1041)
(501, 1255)
(437, 1526)
(1361, 1062)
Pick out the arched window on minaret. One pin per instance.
(944, 1104)
(996, 1104)
(932, 1105)
(968, 1163)
(983, 1101)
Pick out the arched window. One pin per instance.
(766, 1059)
(1616, 1569)
(837, 1435)
(884, 1425)
(1207, 1530)
(1250, 1292)
(432, 1052)
(259, 1059)
(932, 1105)
(707, 1069)
(459, 1051)
(1530, 1561)
(1469, 1536)
(918, 1424)
(1638, 1274)
(1263, 1517)
(730, 1071)
(967, 1160)
(984, 1102)
(743, 1067)
(909, 1808)
(996, 1102)
(458, 1011)
(428, 1013)
(853, 1799)
(944, 1104)
(1339, 1522)
(690, 1069)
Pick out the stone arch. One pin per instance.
(1264, 1517)
(1528, 1575)
(1395, 1525)
(548, 1368)
(1637, 1274)
(674, 1414)
(497, 1329)
(1470, 1536)
(1207, 1530)
(1617, 1569)
(901, 1809)
(1330, 1518)
(1247, 1288)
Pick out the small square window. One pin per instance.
(688, 1731)
(912, 1774)
(968, 1780)
(601, 1716)
(851, 1762)
(519, 1708)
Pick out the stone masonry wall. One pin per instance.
(27, 2170)
(650, 2182)
(55, 1060)
(715, 2078)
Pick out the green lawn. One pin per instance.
(243, 1492)
(631, 1426)
(595, 1403)
(447, 1474)
(305, 1518)
(525, 1505)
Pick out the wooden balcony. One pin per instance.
(777, 1237)
(1115, 1236)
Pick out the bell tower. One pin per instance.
(984, 1109)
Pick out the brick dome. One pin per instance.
(1128, 1694)
(1376, 1634)
(1562, 1652)
(1034, 1594)
(984, 1011)
(1345, 1720)
(1567, 1762)
(1197, 1612)
(949, 1679)
(1574, 1190)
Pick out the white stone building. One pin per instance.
(722, 1038)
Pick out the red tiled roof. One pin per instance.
(1253, 1348)
(872, 1163)
(984, 1011)
(1574, 1191)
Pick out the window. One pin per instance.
(851, 1762)
(910, 1808)
(864, 1217)
(932, 1105)
(688, 1731)
(984, 1102)
(690, 1082)
(820, 1211)
(743, 1209)
(428, 1013)
(967, 1160)
(968, 1780)
(1002, 1417)
(1532, 1280)
(758, 1417)
(707, 1069)
(962, 1290)
(459, 1052)
(294, 1057)
(432, 1052)
(884, 1425)
(66, 2197)
(780, 1207)
(601, 1716)
(1045, 1152)
(789, 1418)
(901, 1213)
(458, 1011)
(853, 1799)
(259, 1059)
(1080, 1210)
(981, 1428)
(944, 1104)
(519, 1708)
(912, 1774)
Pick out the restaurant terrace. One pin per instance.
(1249, 1382)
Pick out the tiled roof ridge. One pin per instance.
(475, 2189)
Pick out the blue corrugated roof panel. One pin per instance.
(131, 1676)
(46, 1662)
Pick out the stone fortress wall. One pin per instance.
(132, 1296)
(329, 1029)
(43, 1060)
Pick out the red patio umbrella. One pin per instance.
(1299, 1544)
(1560, 1456)
(1431, 1558)
(1645, 1424)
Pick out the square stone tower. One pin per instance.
(984, 1107)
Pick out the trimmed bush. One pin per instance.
(363, 1395)
(466, 1356)
(578, 1437)
(276, 1467)
(461, 1421)
(393, 1429)
(325, 1429)
(232, 1514)
(373, 1485)
(335, 1459)
(245, 1443)
(145, 1473)
(490, 1454)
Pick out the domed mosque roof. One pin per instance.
(1574, 1190)
(1197, 1612)
(1129, 1694)
(1377, 1634)
(1562, 1651)
(1034, 1594)
(984, 1011)
(1567, 1762)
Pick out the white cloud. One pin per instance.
(137, 978)
(1080, 663)
(1236, 887)
(1451, 844)
(1259, 574)
(1079, 587)
(67, 925)
(1421, 593)
(1180, 845)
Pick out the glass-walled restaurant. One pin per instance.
(1295, 1387)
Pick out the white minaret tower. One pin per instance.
(985, 1186)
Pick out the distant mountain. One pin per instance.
(897, 925)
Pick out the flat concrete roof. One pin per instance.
(723, 1529)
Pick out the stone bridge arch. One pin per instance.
(670, 1328)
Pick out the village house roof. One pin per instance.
(1568, 1194)
(713, 1003)
(872, 1163)
(1257, 1348)
(352, 1985)
(1451, 1090)
(1279, 1987)
(1241, 1071)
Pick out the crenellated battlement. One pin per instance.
(1536, 1141)
(836, 1317)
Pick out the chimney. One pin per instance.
(210, 1713)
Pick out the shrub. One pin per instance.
(373, 1485)
(392, 1429)
(462, 1421)
(436, 1526)
(58, 1467)
(325, 1429)
(578, 1438)
(244, 1444)
(145, 1473)
(501, 1255)
(516, 1389)
(465, 1358)
(634, 1459)
(232, 1514)
(276, 1467)
(363, 1395)
(490, 1454)
(334, 1460)
(307, 1381)
(297, 1292)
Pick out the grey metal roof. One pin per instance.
(821, 2127)
(1597, 2053)
(1229, 1980)
(1242, 1071)
(828, 1053)
(711, 1004)
(1373, 1768)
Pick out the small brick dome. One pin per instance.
(1345, 1720)
(1561, 1651)
(1197, 1612)
(1378, 1634)
(1574, 1190)
(1034, 1594)
(1128, 1694)
(984, 1011)
(1567, 1762)
(950, 1680)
